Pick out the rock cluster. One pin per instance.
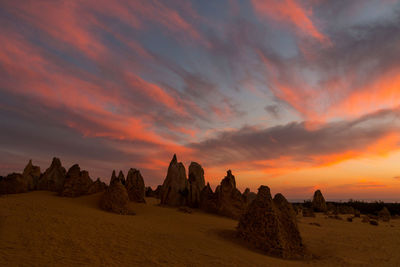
(32, 175)
(53, 178)
(227, 199)
(270, 225)
(175, 187)
(20, 183)
(120, 178)
(135, 186)
(97, 187)
(120, 191)
(153, 193)
(249, 196)
(13, 183)
(115, 199)
(77, 183)
(318, 202)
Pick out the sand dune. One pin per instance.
(42, 229)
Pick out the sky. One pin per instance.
(297, 95)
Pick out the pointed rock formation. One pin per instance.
(384, 214)
(196, 184)
(97, 187)
(249, 196)
(32, 175)
(208, 200)
(158, 191)
(120, 177)
(53, 178)
(114, 178)
(13, 184)
(175, 187)
(153, 193)
(149, 192)
(318, 202)
(227, 199)
(135, 186)
(115, 199)
(270, 225)
(77, 182)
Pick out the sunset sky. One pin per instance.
(296, 95)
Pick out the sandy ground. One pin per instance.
(41, 229)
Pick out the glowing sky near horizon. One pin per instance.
(296, 95)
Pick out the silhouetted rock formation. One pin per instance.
(174, 190)
(32, 175)
(318, 202)
(196, 184)
(230, 201)
(97, 187)
(53, 178)
(13, 183)
(208, 200)
(384, 214)
(270, 225)
(153, 193)
(249, 196)
(121, 177)
(135, 186)
(77, 182)
(149, 192)
(115, 199)
(227, 199)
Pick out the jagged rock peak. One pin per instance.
(175, 186)
(135, 186)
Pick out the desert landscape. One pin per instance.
(53, 228)
(199, 133)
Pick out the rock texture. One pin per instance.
(208, 201)
(115, 199)
(97, 187)
(77, 183)
(53, 178)
(270, 225)
(120, 178)
(153, 193)
(135, 186)
(227, 199)
(196, 184)
(32, 175)
(318, 202)
(384, 214)
(175, 187)
(13, 184)
(249, 196)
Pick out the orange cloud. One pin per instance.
(382, 92)
(291, 12)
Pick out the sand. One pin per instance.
(42, 229)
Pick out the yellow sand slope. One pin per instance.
(41, 229)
